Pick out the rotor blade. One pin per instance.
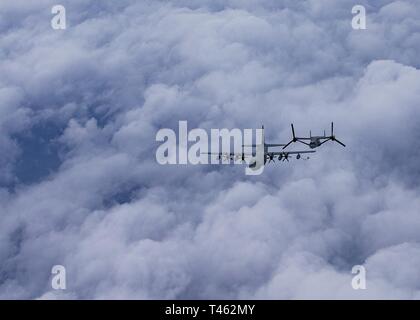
(291, 141)
(332, 128)
(340, 142)
(293, 131)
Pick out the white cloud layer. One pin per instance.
(80, 187)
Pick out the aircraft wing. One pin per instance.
(231, 155)
(226, 154)
(277, 153)
(274, 144)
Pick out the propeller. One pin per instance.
(333, 138)
(270, 157)
(286, 157)
(240, 157)
(294, 139)
(226, 157)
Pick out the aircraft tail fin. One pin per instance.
(263, 135)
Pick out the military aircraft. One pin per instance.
(255, 162)
(314, 141)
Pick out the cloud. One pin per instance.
(80, 187)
